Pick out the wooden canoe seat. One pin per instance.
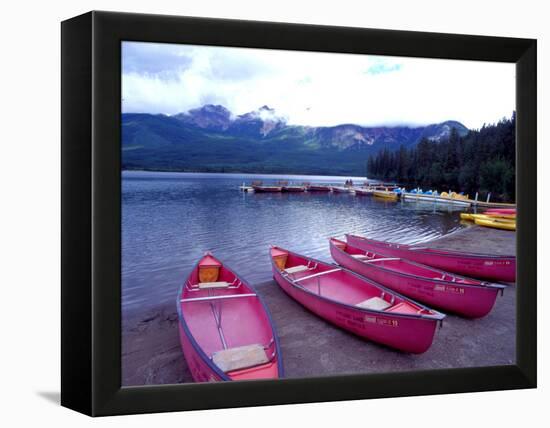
(296, 269)
(359, 256)
(210, 285)
(315, 275)
(375, 303)
(241, 357)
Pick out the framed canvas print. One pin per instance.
(259, 213)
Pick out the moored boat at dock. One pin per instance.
(318, 188)
(286, 187)
(355, 303)
(468, 297)
(267, 189)
(259, 187)
(342, 189)
(293, 188)
(225, 330)
(386, 194)
(362, 191)
(476, 265)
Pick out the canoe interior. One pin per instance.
(243, 321)
(341, 286)
(403, 266)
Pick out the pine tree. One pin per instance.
(481, 161)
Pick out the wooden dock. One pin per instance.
(436, 198)
(244, 188)
(491, 204)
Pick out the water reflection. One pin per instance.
(169, 220)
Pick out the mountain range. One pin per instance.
(212, 139)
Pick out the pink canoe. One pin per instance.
(226, 332)
(318, 188)
(486, 266)
(355, 303)
(363, 192)
(464, 296)
(267, 189)
(289, 189)
(501, 210)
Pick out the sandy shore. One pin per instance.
(151, 353)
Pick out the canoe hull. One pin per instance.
(391, 196)
(267, 189)
(407, 334)
(340, 189)
(468, 301)
(199, 369)
(512, 211)
(293, 189)
(496, 224)
(210, 290)
(318, 188)
(364, 192)
(499, 268)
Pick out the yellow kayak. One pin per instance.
(473, 217)
(385, 194)
(466, 216)
(496, 223)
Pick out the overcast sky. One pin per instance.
(317, 89)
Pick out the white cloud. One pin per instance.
(316, 88)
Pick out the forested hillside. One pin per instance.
(212, 139)
(481, 161)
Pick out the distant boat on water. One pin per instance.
(342, 189)
(259, 187)
(386, 194)
(291, 187)
(318, 188)
(361, 191)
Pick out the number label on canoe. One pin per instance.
(381, 321)
(497, 263)
(449, 289)
(360, 322)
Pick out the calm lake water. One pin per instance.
(170, 219)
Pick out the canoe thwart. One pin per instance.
(239, 358)
(374, 303)
(385, 259)
(226, 296)
(318, 274)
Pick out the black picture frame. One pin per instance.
(91, 242)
